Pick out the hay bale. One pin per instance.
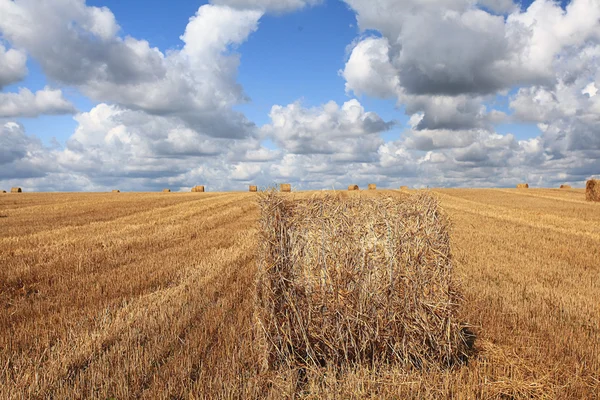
(356, 280)
(16, 190)
(285, 187)
(592, 190)
(353, 187)
(403, 187)
(372, 186)
(166, 190)
(253, 188)
(116, 191)
(523, 186)
(4, 191)
(565, 186)
(198, 189)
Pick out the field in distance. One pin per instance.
(150, 295)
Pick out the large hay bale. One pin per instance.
(116, 191)
(592, 190)
(372, 186)
(198, 189)
(403, 187)
(4, 191)
(166, 190)
(16, 190)
(565, 186)
(353, 187)
(253, 188)
(285, 187)
(523, 186)
(345, 280)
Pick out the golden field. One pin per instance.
(150, 295)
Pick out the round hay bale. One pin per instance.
(523, 186)
(285, 188)
(166, 190)
(4, 191)
(16, 190)
(565, 186)
(372, 186)
(403, 187)
(353, 187)
(355, 280)
(116, 191)
(253, 188)
(198, 189)
(592, 190)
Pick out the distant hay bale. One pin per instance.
(592, 190)
(198, 189)
(353, 187)
(356, 280)
(16, 190)
(253, 188)
(4, 191)
(166, 190)
(523, 186)
(565, 186)
(285, 187)
(403, 187)
(116, 191)
(372, 186)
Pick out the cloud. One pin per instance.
(22, 156)
(499, 6)
(451, 47)
(346, 132)
(13, 64)
(28, 104)
(197, 83)
(369, 71)
(275, 6)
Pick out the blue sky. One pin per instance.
(493, 123)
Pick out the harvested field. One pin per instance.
(148, 296)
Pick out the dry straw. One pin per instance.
(253, 188)
(372, 186)
(523, 186)
(403, 187)
(16, 190)
(285, 187)
(356, 280)
(198, 189)
(565, 186)
(353, 187)
(116, 191)
(166, 190)
(592, 190)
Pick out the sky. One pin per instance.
(146, 95)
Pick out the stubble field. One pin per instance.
(150, 295)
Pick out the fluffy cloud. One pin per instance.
(451, 47)
(28, 104)
(446, 61)
(276, 6)
(13, 66)
(348, 133)
(197, 83)
(369, 71)
(499, 6)
(22, 156)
